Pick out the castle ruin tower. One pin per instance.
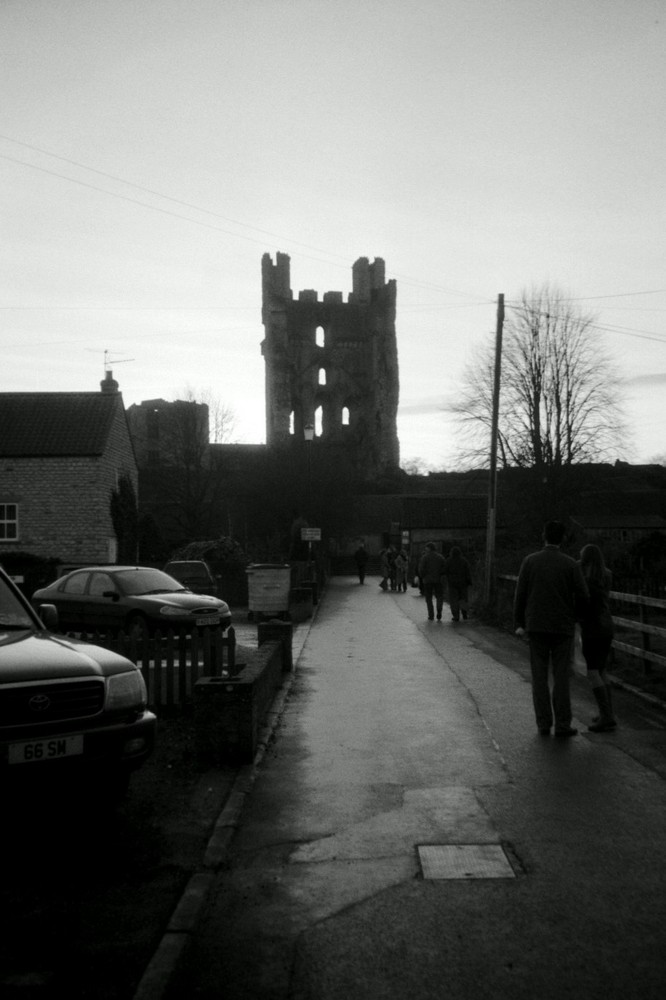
(333, 364)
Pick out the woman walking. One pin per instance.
(459, 576)
(597, 635)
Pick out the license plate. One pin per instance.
(213, 620)
(59, 746)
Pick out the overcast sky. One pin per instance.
(152, 150)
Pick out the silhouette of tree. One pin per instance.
(560, 392)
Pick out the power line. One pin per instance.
(157, 194)
(480, 300)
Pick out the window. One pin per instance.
(100, 583)
(320, 337)
(76, 584)
(345, 416)
(322, 376)
(8, 522)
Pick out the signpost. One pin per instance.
(310, 535)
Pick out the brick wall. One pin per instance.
(64, 502)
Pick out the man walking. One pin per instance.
(550, 595)
(361, 558)
(431, 572)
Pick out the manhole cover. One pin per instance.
(464, 861)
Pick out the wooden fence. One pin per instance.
(641, 631)
(172, 662)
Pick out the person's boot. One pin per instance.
(609, 692)
(605, 722)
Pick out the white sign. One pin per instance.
(310, 534)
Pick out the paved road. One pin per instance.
(401, 734)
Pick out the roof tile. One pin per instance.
(55, 423)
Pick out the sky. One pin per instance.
(151, 151)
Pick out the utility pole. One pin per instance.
(492, 485)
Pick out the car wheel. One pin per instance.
(137, 628)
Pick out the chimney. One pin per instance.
(109, 383)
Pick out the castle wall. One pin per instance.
(335, 358)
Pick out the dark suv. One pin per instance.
(195, 574)
(67, 708)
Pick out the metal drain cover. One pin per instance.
(464, 861)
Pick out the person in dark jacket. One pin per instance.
(384, 568)
(551, 595)
(459, 577)
(431, 571)
(361, 558)
(597, 634)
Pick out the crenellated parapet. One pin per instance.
(333, 364)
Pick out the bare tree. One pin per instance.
(417, 466)
(221, 418)
(560, 391)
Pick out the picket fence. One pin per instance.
(172, 662)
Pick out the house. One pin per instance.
(63, 456)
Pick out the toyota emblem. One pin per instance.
(39, 703)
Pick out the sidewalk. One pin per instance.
(543, 873)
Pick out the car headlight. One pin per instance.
(168, 609)
(126, 690)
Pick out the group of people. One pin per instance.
(554, 593)
(393, 565)
(434, 569)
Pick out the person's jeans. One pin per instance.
(551, 649)
(435, 590)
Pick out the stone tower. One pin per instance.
(334, 365)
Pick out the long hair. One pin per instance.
(593, 565)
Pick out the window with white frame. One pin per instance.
(8, 522)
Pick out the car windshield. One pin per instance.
(146, 581)
(12, 613)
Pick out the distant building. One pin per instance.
(165, 433)
(62, 455)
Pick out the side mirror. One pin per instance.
(49, 615)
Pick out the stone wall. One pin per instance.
(333, 364)
(228, 714)
(64, 501)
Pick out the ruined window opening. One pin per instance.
(322, 376)
(319, 421)
(345, 416)
(319, 336)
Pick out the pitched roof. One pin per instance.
(49, 424)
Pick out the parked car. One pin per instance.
(136, 599)
(195, 574)
(67, 707)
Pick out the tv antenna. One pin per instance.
(108, 360)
